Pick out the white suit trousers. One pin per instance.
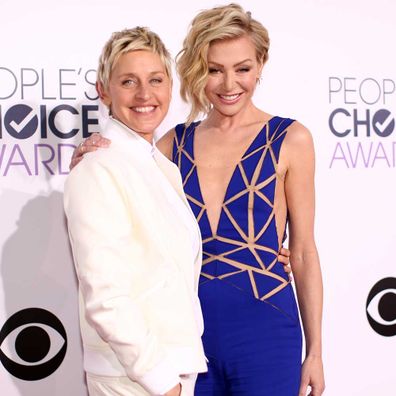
(123, 386)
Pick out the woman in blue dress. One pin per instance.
(247, 174)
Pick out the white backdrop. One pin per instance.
(332, 66)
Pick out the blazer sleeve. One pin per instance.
(106, 253)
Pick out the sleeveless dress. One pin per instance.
(252, 335)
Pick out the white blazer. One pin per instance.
(137, 253)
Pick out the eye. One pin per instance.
(213, 70)
(156, 81)
(244, 70)
(33, 344)
(381, 307)
(128, 82)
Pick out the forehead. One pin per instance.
(139, 60)
(232, 50)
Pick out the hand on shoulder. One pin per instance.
(92, 143)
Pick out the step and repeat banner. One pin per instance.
(332, 66)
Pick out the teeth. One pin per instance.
(145, 109)
(229, 97)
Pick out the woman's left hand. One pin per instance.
(284, 258)
(92, 143)
(312, 375)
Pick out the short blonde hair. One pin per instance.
(219, 23)
(138, 38)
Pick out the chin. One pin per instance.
(146, 129)
(228, 111)
(143, 128)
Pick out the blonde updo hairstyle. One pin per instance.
(219, 23)
(136, 39)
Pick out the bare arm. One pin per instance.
(300, 196)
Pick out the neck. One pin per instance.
(248, 115)
(148, 136)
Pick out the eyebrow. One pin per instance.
(128, 74)
(236, 64)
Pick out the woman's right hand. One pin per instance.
(90, 144)
(175, 391)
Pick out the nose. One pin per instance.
(143, 92)
(228, 81)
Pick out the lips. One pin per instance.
(143, 109)
(230, 99)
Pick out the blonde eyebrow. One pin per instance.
(244, 61)
(130, 74)
(236, 64)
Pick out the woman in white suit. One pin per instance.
(136, 243)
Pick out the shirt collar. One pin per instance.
(116, 131)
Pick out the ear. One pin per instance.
(103, 94)
(170, 90)
(260, 69)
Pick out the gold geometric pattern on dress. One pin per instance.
(249, 240)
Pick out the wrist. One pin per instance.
(314, 349)
(313, 356)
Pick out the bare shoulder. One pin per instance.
(298, 135)
(165, 143)
(298, 145)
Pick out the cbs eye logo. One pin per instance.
(381, 307)
(33, 344)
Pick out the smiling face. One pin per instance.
(233, 74)
(138, 92)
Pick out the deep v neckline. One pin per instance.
(213, 232)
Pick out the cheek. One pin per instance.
(250, 83)
(117, 98)
(210, 87)
(166, 98)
